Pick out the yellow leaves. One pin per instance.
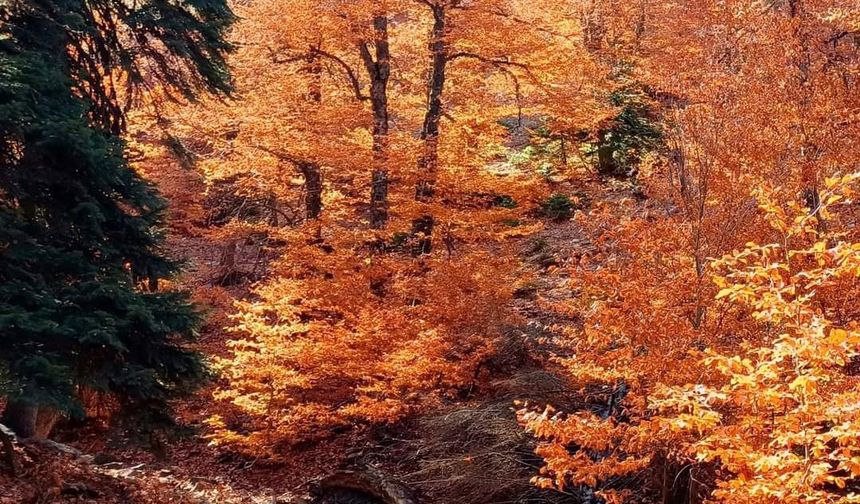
(782, 421)
(842, 183)
(521, 231)
(728, 365)
(805, 384)
(728, 291)
(336, 338)
(838, 337)
(543, 482)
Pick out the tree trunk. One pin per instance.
(422, 231)
(28, 420)
(228, 256)
(606, 165)
(379, 199)
(313, 189)
(314, 68)
(428, 161)
(563, 148)
(21, 418)
(379, 70)
(310, 170)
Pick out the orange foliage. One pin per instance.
(780, 417)
(755, 94)
(358, 324)
(736, 367)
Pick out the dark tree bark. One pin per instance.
(7, 444)
(379, 199)
(314, 68)
(422, 230)
(375, 57)
(310, 170)
(378, 68)
(9, 455)
(563, 148)
(428, 161)
(313, 189)
(21, 418)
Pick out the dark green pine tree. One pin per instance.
(80, 232)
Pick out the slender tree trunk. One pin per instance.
(666, 488)
(379, 70)
(310, 170)
(422, 231)
(694, 487)
(314, 68)
(563, 148)
(606, 165)
(228, 256)
(428, 161)
(379, 199)
(809, 151)
(313, 189)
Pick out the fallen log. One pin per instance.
(367, 480)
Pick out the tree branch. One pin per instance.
(502, 64)
(515, 19)
(350, 74)
(366, 57)
(301, 56)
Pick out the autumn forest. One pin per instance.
(430, 251)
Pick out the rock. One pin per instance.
(368, 480)
(79, 490)
(103, 459)
(86, 459)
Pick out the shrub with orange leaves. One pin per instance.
(783, 419)
(345, 336)
(780, 419)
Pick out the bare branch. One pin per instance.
(515, 19)
(502, 63)
(303, 56)
(350, 74)
(366, 57)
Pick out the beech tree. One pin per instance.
(779, 418)
(359, 325)
(738, 115)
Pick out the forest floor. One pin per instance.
(187, 469)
